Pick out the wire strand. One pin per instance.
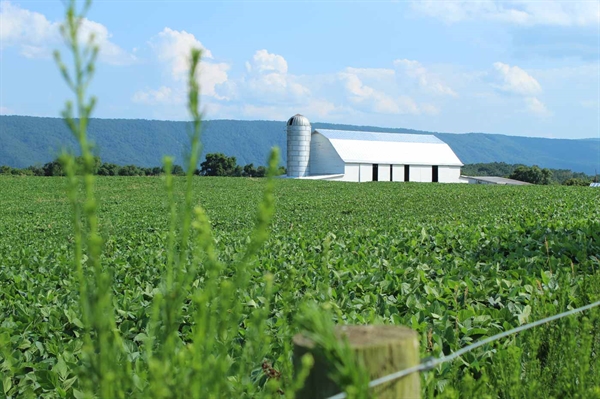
(432, 363)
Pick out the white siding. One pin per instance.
(366, 172)
(398, 173)
(324, 160)
(426, 174)
(449, 174)
(352, 172)
(384, 172)
(420, 173)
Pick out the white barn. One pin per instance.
(367, 156)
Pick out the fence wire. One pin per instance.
(430, 363)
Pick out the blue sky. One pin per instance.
(528, 68)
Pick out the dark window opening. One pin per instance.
(391, 172)
(434, 174)
(375, 172)
(406, 172)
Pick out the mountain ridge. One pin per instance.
(28, 140)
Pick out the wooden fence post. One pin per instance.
(383, 350)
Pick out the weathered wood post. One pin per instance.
(383, 350)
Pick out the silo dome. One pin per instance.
(298, 145)
(298, 120)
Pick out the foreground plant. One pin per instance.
(219, 358)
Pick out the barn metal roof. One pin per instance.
(390, 148)
(594, 184)
(499, 180)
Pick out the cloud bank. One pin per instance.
(36, 37)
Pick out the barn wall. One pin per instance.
(352, 172)
(420, 173)
(324, 159)
(366, 172)
(449, 174)
(398, 173)
(384, 172)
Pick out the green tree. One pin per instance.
(249, 170)
(130, 170)
(97, 162)
(178, 170)
(36, 170)
(108, 169)
(53, 168)
(157, 170)
(218, 164)
(533, 175)
(575, 181)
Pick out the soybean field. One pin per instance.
(456, 263)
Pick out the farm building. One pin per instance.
(493, 180)
(367, 156)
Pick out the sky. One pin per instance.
(527, 68)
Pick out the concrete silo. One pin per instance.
(298, 146)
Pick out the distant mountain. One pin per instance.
(26, 140)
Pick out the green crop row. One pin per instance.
(454, 262)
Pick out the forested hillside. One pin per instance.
(29, 140)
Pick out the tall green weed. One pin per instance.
(227, 344)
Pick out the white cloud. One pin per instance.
(314, 109)
(516, 80)
(109, 51)
(162, 95)
(589, 104)
(6, 111)
(21, 27)
(36, 36)
(375, 100)
(428, 81)
(269, 112)
(430, 109)
(173, 49)
(520, 12)
(580, 73)
(263, 61)
(536, 107)
(268, 80)
(384, 75)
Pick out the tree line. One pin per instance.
(530, 174)
(218, 164)
(215, 164)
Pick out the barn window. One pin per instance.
(375, 172)
(391, 172)
(406, 172)
(434, 174)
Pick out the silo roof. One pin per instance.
(390, 148)
(298, 120)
